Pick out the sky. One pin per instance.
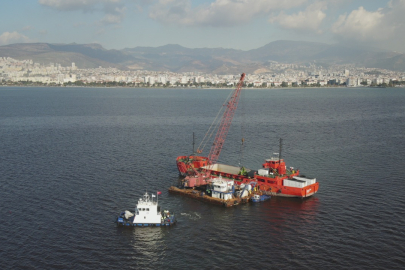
(236, 24)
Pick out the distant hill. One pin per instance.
(287, 51)
(176, 58)
(84, 55)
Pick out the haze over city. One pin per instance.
(237, 24)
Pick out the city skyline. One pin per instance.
(237, 24)
(13, 71)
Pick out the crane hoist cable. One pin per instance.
(242, 127)
(225, 122)
(214, 125)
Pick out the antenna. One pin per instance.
(279, 153)
(193, 144)
(241, 152)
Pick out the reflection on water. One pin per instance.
(148, 243)
(304, 210)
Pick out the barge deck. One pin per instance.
(202, 196)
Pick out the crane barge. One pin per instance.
(207, 180)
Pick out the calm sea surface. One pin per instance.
(71, 159)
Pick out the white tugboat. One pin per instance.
(147, 213)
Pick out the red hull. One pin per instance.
(185, 164)
(273, 184)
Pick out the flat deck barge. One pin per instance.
(202, 196)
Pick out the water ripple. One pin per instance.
(72, 159)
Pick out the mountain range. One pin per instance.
(176, 58)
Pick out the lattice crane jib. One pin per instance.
(225, 123)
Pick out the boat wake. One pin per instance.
(192, 216)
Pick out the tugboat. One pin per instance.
(147, 213)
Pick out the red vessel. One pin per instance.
(274, 178)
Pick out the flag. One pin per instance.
(153, 195)
(159, 192)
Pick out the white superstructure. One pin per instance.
(299, 182)
(222, 189)
(147, 210)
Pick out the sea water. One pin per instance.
(71, 159)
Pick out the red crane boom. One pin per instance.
(191, 165)
(225, 123)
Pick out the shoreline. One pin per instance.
(198, 88)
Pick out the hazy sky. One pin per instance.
(238, 24)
